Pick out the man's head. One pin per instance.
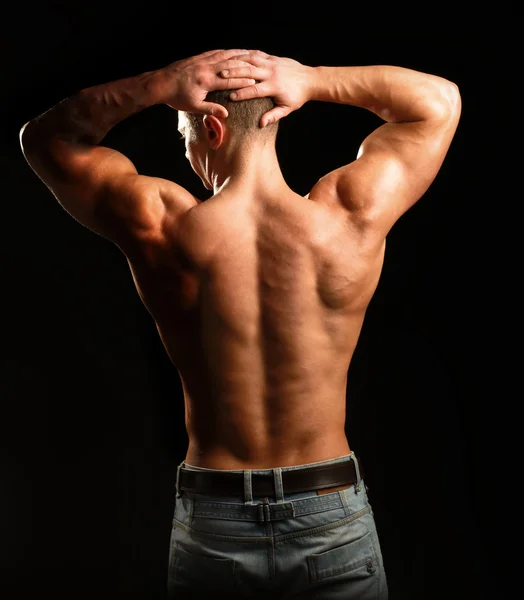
(206, 136)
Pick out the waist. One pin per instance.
(290, 455)
(277, 481)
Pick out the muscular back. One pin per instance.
(259, 295)
(259, 303)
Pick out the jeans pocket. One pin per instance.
(197, 573)
(354, 560)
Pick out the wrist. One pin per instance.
(159, 86)
(165, 83)
(321, 82)
(313, 82)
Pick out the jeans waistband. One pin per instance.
(320, 469)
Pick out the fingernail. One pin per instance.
(225, 73)
(233, 96)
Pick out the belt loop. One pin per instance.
(357, 471)
(248, 487)
(264, 512)
(279, 486)
(178, 479)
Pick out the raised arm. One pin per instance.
(99, 186)
(398, 161)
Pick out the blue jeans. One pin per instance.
(300, 545)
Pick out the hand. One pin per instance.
(184, 84)
(287, 81)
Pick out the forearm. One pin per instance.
(393, 93)
(91, 113)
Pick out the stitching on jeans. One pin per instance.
(278, 538)
(298, 508)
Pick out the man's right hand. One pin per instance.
(184, 84)
(285, 80)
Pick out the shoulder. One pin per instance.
(343, 193)
(145, 210)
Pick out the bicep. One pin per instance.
(395, 166)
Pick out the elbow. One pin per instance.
(33, 139)
(452, 96)
(449, 101)
(21, 134)
(26, 137)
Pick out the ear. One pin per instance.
(214, 131)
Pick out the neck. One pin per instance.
(250, 167)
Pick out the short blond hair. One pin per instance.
(243, 115)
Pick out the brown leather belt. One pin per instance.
(299, 480)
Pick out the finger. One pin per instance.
(211, 108)
(230, 64)
(250, 71)
(192, 59)
(253, 58)
(233, 83)
(274, 115)
(208, 53)
(222, 55)
(259, 90)
(260, 53)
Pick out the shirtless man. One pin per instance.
(259, 296)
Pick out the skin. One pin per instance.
(258, 294)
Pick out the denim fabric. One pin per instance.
(301, 546)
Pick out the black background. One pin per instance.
(92, 416)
